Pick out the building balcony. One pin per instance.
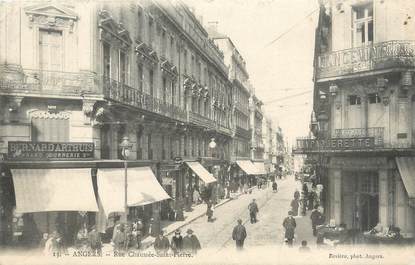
(37, 82)
(243, 133)
(223, 129)
(381, 56)
(199, 120)
(124, 94)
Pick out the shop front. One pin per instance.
(372, 195)
(200, 180)
(250, 171)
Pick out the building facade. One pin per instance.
(363, 103)
(100, 72)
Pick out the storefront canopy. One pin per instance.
(406, 166)
(44, 190)
(142, 189)
(199, 170)
(261, 168)
(248, 167)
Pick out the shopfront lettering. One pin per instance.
(50, 151)
(334, 144)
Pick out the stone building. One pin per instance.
(364, 123)
(93, 79)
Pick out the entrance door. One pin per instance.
(369, 211)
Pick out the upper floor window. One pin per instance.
(172, 52)
(374, 98)
(362, 25)
(123, 68)
(140, 77)
(163, 43)
(50, 50)
(107, 59)
(151, 81)
(150, 32)
(354, 100)
(140, 24)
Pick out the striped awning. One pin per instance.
(44, 190)
(248, 167)
(261, 168)
(406, 167)
(201, 172)
(143, 188)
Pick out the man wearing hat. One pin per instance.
(177, 242)
(161, 244)
(191, 243)
(239, 235)
(94, 240)
(289, 224)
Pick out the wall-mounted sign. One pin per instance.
(50, 151)
(335, 144)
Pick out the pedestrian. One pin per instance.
(274, 186)
(303, 204)
(196, 196)
(296, 194)
(311, 197)
(161, 244)
(137, 232)
(94, 241)
(177, 242)
(294, 206)
(48, 249)
(253, 210)
(209, 211)
(191, 244)
(239, 235)
(43, 241)
(289, 224)
(119, 237)
(304, 247)
(305, 189)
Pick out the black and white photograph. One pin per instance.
(207, 132)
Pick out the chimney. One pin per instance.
(213, 26)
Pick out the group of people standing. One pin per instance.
(188, 244)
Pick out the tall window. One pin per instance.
(192, 65)
(164, 90)
(123, 68)
(163, 43)
(139, 148)
(149, 150)
(362, 25)
(151, 80)
(50, 50)
(163, 148)
(107, 60)
(185, 61)
(140, 24)
(140, 77)
(150, 32)
(185, 145)
(173, 92)
(172, 51)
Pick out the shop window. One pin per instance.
(354, 100)
(139, 147)
(171, 145)
(163, 149)
(120, 134)
(149, 147)
(151, 80)
(185, 145)
(374, 98)
(105, 142)
(363, 25)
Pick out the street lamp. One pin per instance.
(125, 152)
(212, 145)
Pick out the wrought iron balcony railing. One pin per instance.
(125, 94)
(377, 56)
(200, 120)
(375, 132)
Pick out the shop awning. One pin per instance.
(142, 189)
(406, 166)
(248, 167)
(44, 190)
(199, 170)
(261, 168)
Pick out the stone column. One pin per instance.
(383, 197)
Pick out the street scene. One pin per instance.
(197, 131)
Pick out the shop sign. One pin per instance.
(50, 151)
(336, 144)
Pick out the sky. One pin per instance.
(277, 69)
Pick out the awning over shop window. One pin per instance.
(143, 188)
(261, 168)
(44, 190)
(406, 166)
(199, 170)
(248, 167)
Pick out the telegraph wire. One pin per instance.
(288, 97)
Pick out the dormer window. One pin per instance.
(354, 100)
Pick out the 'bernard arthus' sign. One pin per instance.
(50, 151)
